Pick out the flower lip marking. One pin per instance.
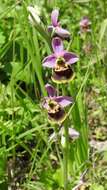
(53, 106)
(62, 69)
(55, 111)
(60, 64)
(64, 72)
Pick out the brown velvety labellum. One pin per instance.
(57, 115)
(64, 72)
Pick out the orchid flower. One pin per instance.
(85, 24)
(55, 27)
(60, 61)
(55, 105)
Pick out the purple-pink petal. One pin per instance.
(54, 17)
(64, 100)
(70, 58)
(85, 22)
(50, 90)
(57, 46)
(49, 61)
(62, 32)
(73, 134)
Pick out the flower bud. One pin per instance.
(35, 13)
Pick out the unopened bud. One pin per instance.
(34, 14)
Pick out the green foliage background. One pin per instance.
(27, 159)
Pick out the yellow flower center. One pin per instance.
(53, 106)
(60, 64)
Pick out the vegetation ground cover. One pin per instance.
(29, 160)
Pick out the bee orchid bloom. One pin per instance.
(55, 27)
(85, 25)
(60, 61)
(55, 105)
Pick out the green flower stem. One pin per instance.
(65, 148)
(65, 157)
